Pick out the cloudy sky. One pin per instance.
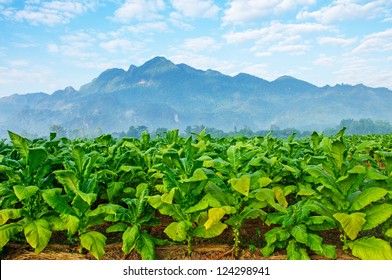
(48, 45)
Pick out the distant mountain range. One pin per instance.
(160, 93)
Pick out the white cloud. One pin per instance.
(243, 36)
(376, 42)
(357, 70)
(291, 49)
(141, 10)
(179, 21)
(324, 60)
(276, 31)
(345, 10)
(293, 39)
(262, 54)
(241, 11)
(336, 41)
(291, 4)
(117, 45)
(148, 27)
(49, 12)
(196, 8)
(200, 44)
(18, 63)
(35, 79)
(78, 45)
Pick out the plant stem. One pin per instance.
(236, 235)
(189, 245)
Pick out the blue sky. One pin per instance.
(48, 45)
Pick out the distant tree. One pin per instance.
(160, 131)
(60, 131)
(136, 131)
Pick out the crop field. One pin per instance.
(305, 196)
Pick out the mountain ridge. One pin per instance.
(160, 93)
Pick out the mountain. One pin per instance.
(160, 93)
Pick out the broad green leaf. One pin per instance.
(223, 197)
(71, 223)
(358, 169)
(56, 223)
(20, 144)
(306, 192)
(207, 200)
(268, 196)
(366, 197)
(320, 223)
(80, 206)
(214, 215)
(215, 230)
(94, 242)
(276, 234)
(113, 189)
(146, 246)
(388, 233)
(267, 250)
(130, 238)
(36, 157)
(300, 234)
(38, 234)
(290, 168)
(279, 195)
(6, 214)
(79, 158)
(315, 138)
(23, 192)
(108, 209)
(126, 168)
(351, 223)
(168, 197)
(197, 176)
(337, 152)
(295, 252)
(252, 212)
(373, 174)
(142, 190)
(58, 202)
(371, 248)
(202, 205)
(264, 181)
(89, 198)
(178, 231)
(242, 184)
(324, 177)
(117, 228)
(68, 179)
(7, 231)
(376, 215)
(315, 244)
(155, 201)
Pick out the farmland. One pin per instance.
(308, 196)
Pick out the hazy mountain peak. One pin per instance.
(68, 91)
(286, 78)
(110, 74)
(158, 64)
(160, 93)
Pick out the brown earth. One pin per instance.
(219, 248)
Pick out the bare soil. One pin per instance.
(219, 248)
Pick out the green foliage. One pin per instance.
(301, 188)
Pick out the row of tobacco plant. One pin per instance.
(299, 188)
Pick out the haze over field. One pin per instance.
(48, 45)
(161, 94)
